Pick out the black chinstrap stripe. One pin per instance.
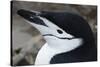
(58, 37)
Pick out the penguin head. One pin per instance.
(62, 31)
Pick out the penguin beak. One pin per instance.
(27, 14)
(32, 16)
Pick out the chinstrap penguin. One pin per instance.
(69, 37)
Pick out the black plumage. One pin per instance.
(78, 27)
(75, 25)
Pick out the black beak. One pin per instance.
(31, 16)
(27, 14)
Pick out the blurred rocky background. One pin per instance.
(25, 36)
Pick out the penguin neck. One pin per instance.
(45, 54)
(48, 51)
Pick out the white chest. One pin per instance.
(44, 55)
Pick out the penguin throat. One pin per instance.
(45, 54)
(59, 37)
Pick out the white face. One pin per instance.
(56, 37)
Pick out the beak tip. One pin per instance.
(19, 12)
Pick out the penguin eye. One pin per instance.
(59, 31)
